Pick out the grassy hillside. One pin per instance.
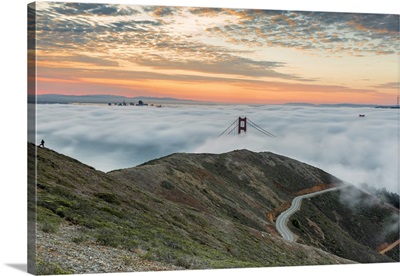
(349, 223)
(184, 211)
(242, 186)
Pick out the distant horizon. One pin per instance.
(209, 102)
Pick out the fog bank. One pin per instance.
(356, 149)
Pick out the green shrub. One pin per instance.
(79, 239)
(47, 220)
(108, 197)
(191, 262)
(47, 268)
(107, 237)
(127, 260)
(49, 227)
(167, 185)
(296, 223)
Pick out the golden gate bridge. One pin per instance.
(240, 125)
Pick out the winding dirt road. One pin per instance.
(389, 247)
(282, 219)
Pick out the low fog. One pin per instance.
(360, 150)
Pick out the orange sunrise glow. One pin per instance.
(216, 55)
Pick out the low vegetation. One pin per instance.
(348, 223)
(190, 211)
(384, 196)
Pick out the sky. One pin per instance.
(222, 55)
(359, 150)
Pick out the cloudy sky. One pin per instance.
(217, 54)
(355, 149)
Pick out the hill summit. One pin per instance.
(195, 211)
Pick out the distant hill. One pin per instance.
(336, 105)
(191, 211)
(113, 99)
(103, 99)
(344, 105)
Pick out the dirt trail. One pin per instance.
(316, 188)
(389, 247)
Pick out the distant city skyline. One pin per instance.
(217, 55)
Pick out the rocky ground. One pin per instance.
(69, 252)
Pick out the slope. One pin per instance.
(349, 223)
(83, 213)
(253, 188)
(242, 186)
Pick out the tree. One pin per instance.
(296, 223)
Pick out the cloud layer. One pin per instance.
(333, 32)
(274, 56)
(355, 149)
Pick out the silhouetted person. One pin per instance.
(41, 144)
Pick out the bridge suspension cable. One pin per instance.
(235, 122)
(260, 129)
(240, 125)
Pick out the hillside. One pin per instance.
(101, 99)
(242, 186)
(351, 224)
(184, 211)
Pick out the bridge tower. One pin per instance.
(242, 124)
